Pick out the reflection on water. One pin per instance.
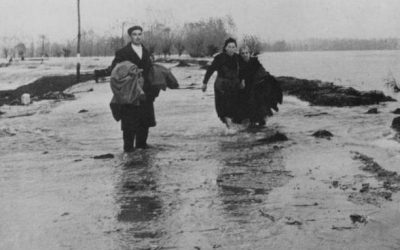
(140, 204)
(140, 209)
(250, 170)
(199, 195)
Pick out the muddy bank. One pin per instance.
(48, 87)
(321, 93)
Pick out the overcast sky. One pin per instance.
(269, 19)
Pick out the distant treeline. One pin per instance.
(197, 39)
(334, 44)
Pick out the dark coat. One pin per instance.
(226, 66)
(226, 86)
(133, 116)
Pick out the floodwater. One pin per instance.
(362, 70)
(200, 185)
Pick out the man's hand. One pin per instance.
(204, 87)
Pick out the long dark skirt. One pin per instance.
(226, 100)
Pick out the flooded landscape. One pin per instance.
(66, 183)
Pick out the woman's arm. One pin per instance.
(213, 67)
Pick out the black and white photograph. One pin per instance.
(199, 125)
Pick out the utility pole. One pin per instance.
(78, 49)
(122, 35)
(43, 37)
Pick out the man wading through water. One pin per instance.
(137, 118)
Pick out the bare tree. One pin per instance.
(21, 49)
(179, 45)
(66, 52)
(32, 50)
(254, 44)
(205, 38)
(56, 49)
(8, 44)
(5, 52)
(195, 39)
(152, 37)
(166, 41)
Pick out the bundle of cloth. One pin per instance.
(127, 84)
(162, 78)
(266, 93)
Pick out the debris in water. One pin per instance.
(372, 111)
(358, 218)
(273, 138)
(316, 114)
(272, 218)
(322, 134)
(6, 132)
(105, 156)
(183, 63)
(291, 221)
(385, 195)
(83, 111)
(306, 205)
(364, 188)
(342, 228)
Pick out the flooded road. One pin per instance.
(199, 186)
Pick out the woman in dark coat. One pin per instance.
(261, 92)
(227, 84)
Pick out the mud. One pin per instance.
(390, 178)
(396, 124)
(48, 87)
(328, 94)
(396, 111)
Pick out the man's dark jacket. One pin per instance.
(143, 115)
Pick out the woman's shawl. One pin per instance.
(267, 90)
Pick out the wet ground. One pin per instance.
(200, 185)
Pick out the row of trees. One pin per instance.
(197, 39)
(334, 44)
(92, 45)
